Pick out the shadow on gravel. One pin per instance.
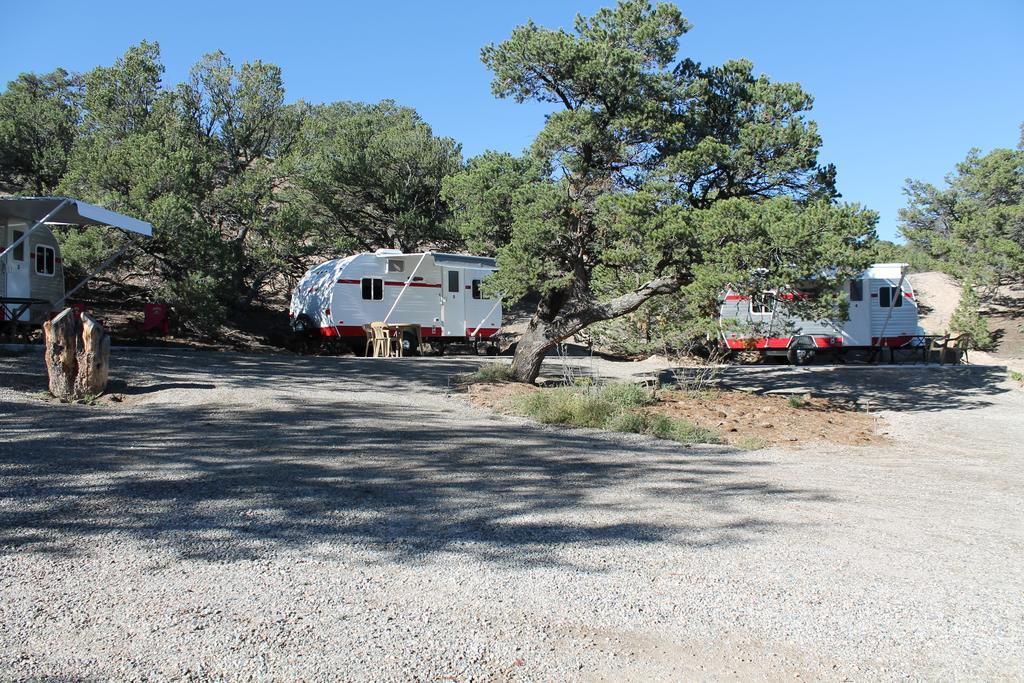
(911, 389)
(405, 482)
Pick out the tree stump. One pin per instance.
(77, 356)
(93, 358)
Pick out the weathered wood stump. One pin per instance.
(77, 356)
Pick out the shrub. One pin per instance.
(660, 426)
(616, 407)
(967, 320)
(627, 394)
(567, 405)
(752, 443)
(631, 422)
(196, 302)
(488, 374)
(796, 402)
(685, 431)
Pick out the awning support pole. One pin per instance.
(406, 286)
(34, 227)
(103, 266)
(496, 304)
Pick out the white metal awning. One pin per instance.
(450, 260)
(68, 211)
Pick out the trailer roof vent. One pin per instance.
(388, 251)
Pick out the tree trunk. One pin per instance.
(93, 359)
(77, 367)
(530, 352)
(61, 354)
(559, 317)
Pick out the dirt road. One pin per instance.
(317, 518)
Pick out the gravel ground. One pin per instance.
(248, 517)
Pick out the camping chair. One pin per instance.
(383, 341)
(960, 345)
(154, 318)
(939, 345)
(956, 345)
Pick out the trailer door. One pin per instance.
(16, 266)
(857, 330)
(453, 303)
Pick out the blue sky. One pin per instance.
(902, 88)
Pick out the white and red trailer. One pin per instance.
(441, 293)
(882, 312)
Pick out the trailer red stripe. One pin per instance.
(389, 283)
(427, 332)
(414, 284)
(820, 342)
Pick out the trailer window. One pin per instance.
(476, 289)
(856, 290)
(373, 288)
(396, 265)
(889, 297)
(453, 280)
(45, 260)
(19, 251)
(761, 305)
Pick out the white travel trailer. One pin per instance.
(439, 292)
(882, 313)
(31, 271)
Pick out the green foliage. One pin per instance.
(567, 405)
(1016, 376)
(974, 226)
(653, 177)
(626, 394)
(796, 401)
(630, 422)
(752, 443)
(487, 374)
(373, 175)
(38, 120)
(243, 190)
(196, 302)
(616, 407)
(890, 252)
(967, 320)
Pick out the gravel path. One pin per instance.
(248, 517)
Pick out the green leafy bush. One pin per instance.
(567, 405)
(196, 302)
(685, 431)
(627, 394)
(488, 374)
(616, 407)
(632, 422)
(752, 443)
(967, 320)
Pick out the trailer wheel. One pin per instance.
(491, 350)
(410, 344)
(801, 352)
(303, 326)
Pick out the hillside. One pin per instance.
(939, 294)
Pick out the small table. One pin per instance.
(920, 341)
(13, 307)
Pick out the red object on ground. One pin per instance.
(155, 318)
(79, 310)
